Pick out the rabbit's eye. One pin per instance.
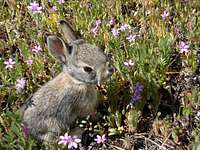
(87, 69)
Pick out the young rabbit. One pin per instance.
(72, 94)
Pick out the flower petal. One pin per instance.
(77, 140)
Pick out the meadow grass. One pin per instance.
(150, 43)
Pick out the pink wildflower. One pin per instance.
(124, 27)
(131, 38)
(35, 8)
(61, 1)
(29, 62)
(94, 30)
(115, 32)
(183, 47)
(36, 49)
(165, 14)
(100, 139)
(72, 142)
(54, 8)
(9, 63)
(98, 22)
(20, 83)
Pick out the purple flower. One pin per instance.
(115, 32)
(136, 97)
(35, 8)
(129, 64)
(9, 63)
(138, 88)
(165, 14)
(72, 142)
(20, 83)
(61, 1)
(54, 8)
(183, 47)
(26, 130)
(29, 62)
(65, 139)
(94, 30)
(100, 139)
(98, 22)
(36, 49)
(124, 27)
(131, 38)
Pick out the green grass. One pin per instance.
(152, 52)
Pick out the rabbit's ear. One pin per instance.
(58, 48)
(68, 33)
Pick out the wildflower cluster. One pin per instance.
(9, 64)
(153, 38)
(116, 31)
(72, 142)
(35, 8)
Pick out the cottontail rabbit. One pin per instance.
(72, 94)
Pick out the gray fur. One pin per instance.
(72, 94)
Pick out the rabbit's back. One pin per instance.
(62, 99)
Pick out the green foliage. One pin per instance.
(196, 141)
(13, 137)
(196, 96)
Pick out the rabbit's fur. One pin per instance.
(70, 95)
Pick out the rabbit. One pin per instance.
(72, 94)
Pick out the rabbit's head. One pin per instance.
(83, 61)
